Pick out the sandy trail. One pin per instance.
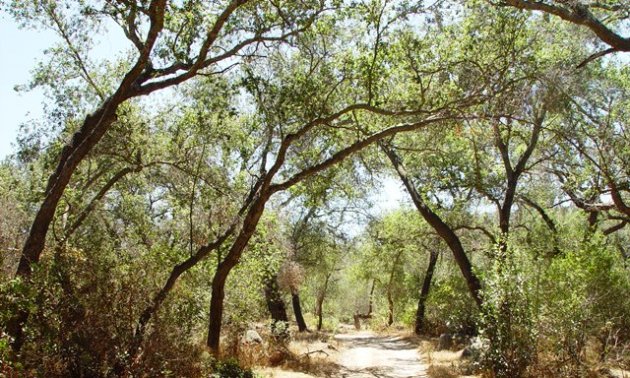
(368, 355)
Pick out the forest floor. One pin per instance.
(361, 354)
(368, 355)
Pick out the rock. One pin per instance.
(479, 343)
(606, 373)
(612, 373)
(467, 353)
(252, 337)
(477, 349)
(445, 341)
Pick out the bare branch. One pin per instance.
(596, 55)
(339, 156)
(577, 14)
(493, 240)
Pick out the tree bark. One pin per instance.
(390, 299)
(216, 312)
(92, 130)
(223, 270)
(424, 292)
(276, 305)
(297, 310)
(371, 302)
(390, 309)
(320, 315)
(444, 231)
(319, 305)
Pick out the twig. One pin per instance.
(308, 354)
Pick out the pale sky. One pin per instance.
(20, 52)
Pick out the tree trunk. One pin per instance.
(276, 306)
(92, 130)
(505, 214)
(424, 292)
(319, 310)
(390, 309)
(216, 311)
(176, 272)
(390, 300)
(444, 231)
(90, 133)
(225, 267)
(320, 315)
(371, 303)
(297, 310)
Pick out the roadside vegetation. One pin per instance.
(208, 199)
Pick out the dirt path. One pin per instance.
(368, 355)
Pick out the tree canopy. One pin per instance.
(231, 155)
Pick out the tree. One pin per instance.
(424, 292)
(390, 257)
(605, 20)
(173, 50)
(440, 227)
(592, 166)
(302, 104)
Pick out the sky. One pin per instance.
(21, 50)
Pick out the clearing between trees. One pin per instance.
(360, 354)
(371, 355)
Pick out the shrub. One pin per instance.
(449, 308)
(586, 298)
(508, 317)
(231, 369)
(438, 371)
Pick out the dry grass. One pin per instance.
(306, 355)
(444, 363)
(312, 366)
(313, 336)
(276, 373)
(439, 371)
(312, 353)
(427, 347)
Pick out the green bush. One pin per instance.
(508, 316)
(231, 369)
(450, 307)
(586, 298)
